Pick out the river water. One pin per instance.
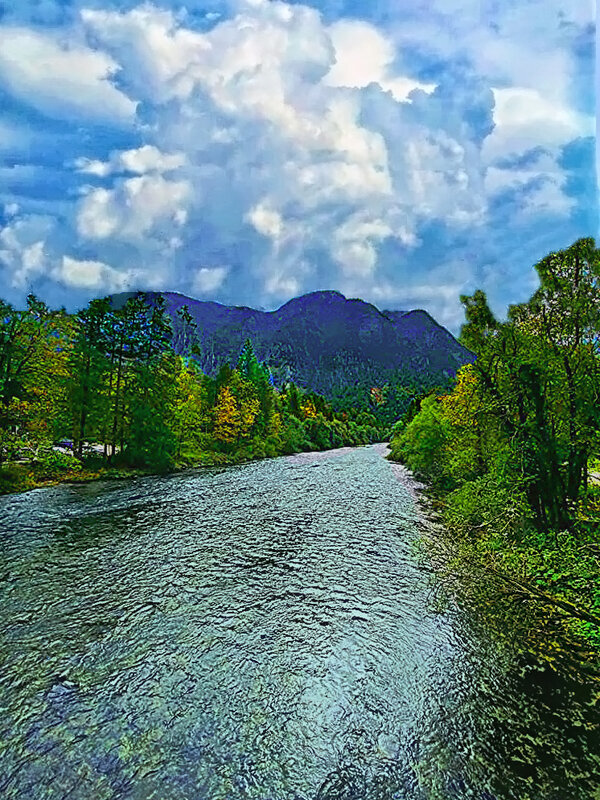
(265, 631)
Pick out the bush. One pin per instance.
(488, 506)
(15, 478)
(422, 444)
(53, 463)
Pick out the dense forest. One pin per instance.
(348, 351)
(104, 392)
(511, 453)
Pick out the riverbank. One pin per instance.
(17, 478)
(539, 599)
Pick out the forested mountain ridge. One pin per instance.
(339, 347)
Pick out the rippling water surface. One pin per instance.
(263, 631)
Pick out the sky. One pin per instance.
(247, 151)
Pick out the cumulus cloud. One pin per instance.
(524, 119)
(208, 279)
(22, 243)
(61, 79)
(354, 243)
(133, 208)
(363, 55)
(140, 160)
(91, 275)
(266, 221)
(298, 148)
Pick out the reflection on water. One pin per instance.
(261, 631)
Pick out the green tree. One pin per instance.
(21, 333)
(88, 364)
(192, 412)
(539, 373)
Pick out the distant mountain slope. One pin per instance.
(325, 342)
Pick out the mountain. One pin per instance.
(324, 342)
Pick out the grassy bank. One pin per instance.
(511, 452)
(537, 589)
(16, 477)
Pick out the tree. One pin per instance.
(539, 374)
(247, 401)
(21, 333)
(248, 366)
(186, 341)
(191, 407)
(423, 443)
(34, 348)
(88, 365)
(293, 400)
(227, 418)
(151, 440)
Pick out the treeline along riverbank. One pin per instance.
(509, 453)
(102, 393)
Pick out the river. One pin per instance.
(264, 631)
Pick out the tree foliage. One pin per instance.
(509, 447)
(107, 386)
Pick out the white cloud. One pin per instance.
(27, 252)
(150, 159)
(283, 145)
(141, 160)
(253, 67)
(524, 119)
(209, 279)
(92, 166)
(11, 209)
(22, 248)
(133, 208)
(547, 198)
(92, 275)
(61, 79)
(266, 221)
(262, 70)
(439, 295)
(353, 244)
(540, 184)
(98, 215)
(157, 55)
(511, 43)
(363, 55)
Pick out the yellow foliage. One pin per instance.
(191, 412)
(248, 404)
(275, 423)
(235, 413)
(308, 409)
(459, 407)
(227, 418)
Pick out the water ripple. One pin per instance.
(259, 632)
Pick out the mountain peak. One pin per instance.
(322, 341)
(314, 298)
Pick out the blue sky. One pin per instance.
(247, 151)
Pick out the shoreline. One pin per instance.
(122, 473)
(496, 594)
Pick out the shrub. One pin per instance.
(15, 478)
(488, 506)
(53, 463)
